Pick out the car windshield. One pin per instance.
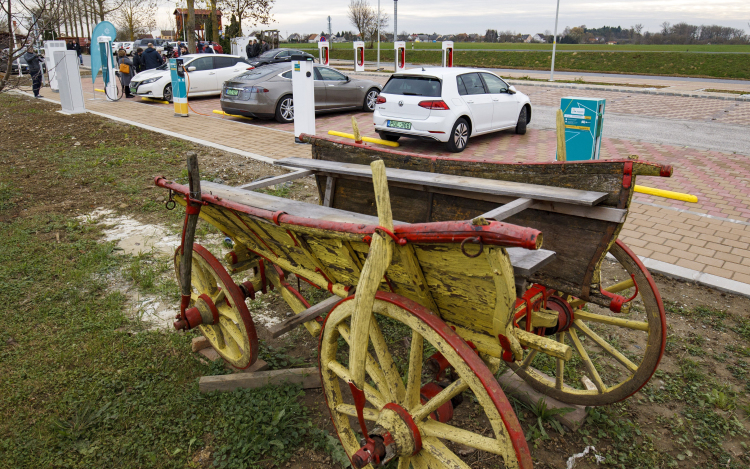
(269, 53)
(413, 86)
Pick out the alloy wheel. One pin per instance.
(372, 98)
(461, 135)
(287, 109)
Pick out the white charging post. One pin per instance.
(400, 47)
(108, 69)
(359, 56)
(69, 81)
(323, 52)
(50, 47)
(303, 94)
(447, 53)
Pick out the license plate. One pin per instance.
(133, 88)
(399, 125)
(231, 92)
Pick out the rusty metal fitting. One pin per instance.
(445, 412)
(436, 365)
(247, 289)
(477, 240)
(192, 319)
(372, 451)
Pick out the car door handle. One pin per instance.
(469, 102)
(496, 99)
(331, 85)
(212, 73)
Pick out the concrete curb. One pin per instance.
(712, 281)
(218, 146)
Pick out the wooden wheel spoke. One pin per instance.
(233, 332)
(618, 287)
(372, 394)
(220, 296)
(560, 370)
(417, 461)
(632, 367)
(350, 410)
(414, 376)
(404, 462)
(612, 321)
(389, 368)
(433, 428)
(453, 390)
(371, 366)
(228, 312)
(438, 455)
(529, 358)
(587, 361)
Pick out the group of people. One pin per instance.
(253, 49)
(76, 46)
(142, 60)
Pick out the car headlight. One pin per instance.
(150, 80)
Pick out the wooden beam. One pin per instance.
(308, 377)
(446, 181)
(526, 262)
(330, 186)
(277, 330)
(507, 210)
(276, 180)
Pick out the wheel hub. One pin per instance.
(204, 312)
(565, 314)
(395, 434)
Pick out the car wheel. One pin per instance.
(521, 125)
(459, 136)
(371, 99)
(389, 137)
(285, 110)
(168, 93)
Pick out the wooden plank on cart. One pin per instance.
(275, 180)
(308, 377)
(507, 210)
(310, 313)
(490, 186)
(526, 262)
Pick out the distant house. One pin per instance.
(338, 39)
(294, 37)
(312, 38)
(539, 38)
(612, 43)
(167, 34)
(527, 38)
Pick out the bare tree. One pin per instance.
(136, 17)
(361, 16)
(256, 11)
(373, 26)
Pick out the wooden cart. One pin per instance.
(428, 254)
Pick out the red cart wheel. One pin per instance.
(617, 352)
(421, 424)
(233, 336)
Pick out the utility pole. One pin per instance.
(329, 28)
(378, 67)
(395, 20)
(554, 44)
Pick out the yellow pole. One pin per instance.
(366, 139)
(666, 194)
(561, 156)
(357, 135)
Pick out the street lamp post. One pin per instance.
(554, 44)
(395, 20)
(378, 35)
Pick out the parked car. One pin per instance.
(277, 55)
(143, 44)
(449, 105)
(266, 92)
(205, 75)
(18, 57)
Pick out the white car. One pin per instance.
(449, 105)
(127, 46)
(205, 75)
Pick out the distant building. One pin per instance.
(312, 38)
(201, 16)
(294, 37)
(539, 38)
(612, 43)
(167, 34)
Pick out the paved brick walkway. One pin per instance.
(655, 228)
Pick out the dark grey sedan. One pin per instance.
(266, 92)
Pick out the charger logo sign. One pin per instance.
(296, 66)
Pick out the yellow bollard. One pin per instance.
(560, 124)
(365, 139)
(216, 111)
(666, 194)
(154, 100)
(97, 89)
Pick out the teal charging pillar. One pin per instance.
(583, 127)
(179, 90)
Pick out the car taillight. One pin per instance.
(255, 89)
(380, 100)
(251, 68)
(440, 105)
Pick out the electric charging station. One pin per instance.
(108, 69)
(179, 89)
(69, 82)
(583, 127)
(50, 47)
(447, 53)
(303, 94)
(400, 62)
(359, 56)
(323, 52)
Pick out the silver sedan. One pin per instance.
(266, 92)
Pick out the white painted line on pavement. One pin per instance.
(683, 210)
(708, 280)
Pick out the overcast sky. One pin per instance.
(526, 16)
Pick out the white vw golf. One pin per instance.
(448, 105)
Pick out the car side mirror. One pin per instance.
(512, 90)
(347, 78)
(190, 69)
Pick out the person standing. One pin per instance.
(138, 60)
(126, 71)
(35, 70)
(199, 47)
(266, 46)
(249, 49)
(151, 58)
(208, 49)
(256, 48)
(79, 51)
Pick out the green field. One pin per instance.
(735, 66)
(548, 47)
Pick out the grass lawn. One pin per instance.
(546, 47)
(87, 384)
